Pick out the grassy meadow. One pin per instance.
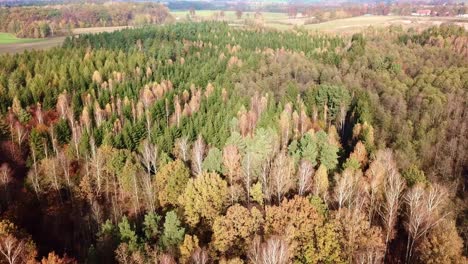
(7, 38)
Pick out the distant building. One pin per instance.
(422, 12)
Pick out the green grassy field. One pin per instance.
(7, 38)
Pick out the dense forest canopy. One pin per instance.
(203, 143)
(46, 21)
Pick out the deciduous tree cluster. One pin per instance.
(59, 20)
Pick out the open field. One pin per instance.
(11, 44)
(7, 38)
(355, 24)
(281, 21)
(358, 23)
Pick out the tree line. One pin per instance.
(59, 20)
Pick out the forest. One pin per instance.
(205, 143)
(58, 20)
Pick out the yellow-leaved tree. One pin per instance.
(204, 198)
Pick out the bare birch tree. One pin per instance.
(304, 177)
(5, 179)
(11, 249)
(274, 251)
(198, 153)
(34, 175)
(97, 162)
(281, 175)
(20, 132)
(393, 189)
(200, 256)
(424, 211)
(149, 157)
(182, 149)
